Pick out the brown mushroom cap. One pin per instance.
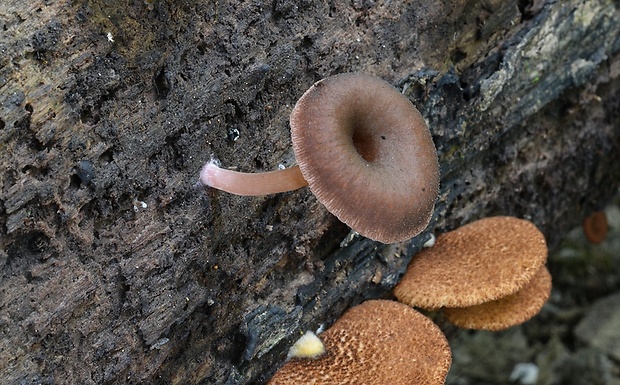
(595, 227)
(367, 155)
(479, 262)
(378, 342)
(507, 311)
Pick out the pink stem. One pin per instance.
(241, 183)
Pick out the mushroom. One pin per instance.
(482, 261)
(364, 150)
(507, 311)
(595, 227)
(377, 342)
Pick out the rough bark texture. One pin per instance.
(117, 268)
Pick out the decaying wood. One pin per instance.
(117, 268)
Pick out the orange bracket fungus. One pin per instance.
(485, 262)
(378, 342)
(507, 311)
(479, 262)
(489, 274)
(364, 150)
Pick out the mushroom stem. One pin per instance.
(252, 184)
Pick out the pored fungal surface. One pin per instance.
(507, 311)
(376, 343)
(482, 261)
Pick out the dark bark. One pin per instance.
(117, 268)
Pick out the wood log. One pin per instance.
(118, 268)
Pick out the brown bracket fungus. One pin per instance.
(378, 342)
(480, 262)
(364, 150)
(507, 311)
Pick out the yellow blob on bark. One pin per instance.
(307, 346)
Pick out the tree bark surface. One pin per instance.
(117, 268)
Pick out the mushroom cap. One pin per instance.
(367, 155)
(482, 261)
(378, 342)
(507, 311)
(595, 227)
